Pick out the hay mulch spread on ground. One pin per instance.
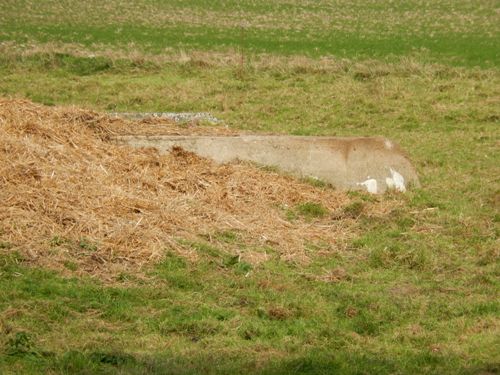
(73, 201)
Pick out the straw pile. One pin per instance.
(72, 200)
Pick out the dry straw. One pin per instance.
(71, 200)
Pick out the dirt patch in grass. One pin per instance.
(71, 200)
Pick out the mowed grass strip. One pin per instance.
(458, 32)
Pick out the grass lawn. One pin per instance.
(415, 292)
(460, 32)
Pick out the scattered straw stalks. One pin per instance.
(73, 201)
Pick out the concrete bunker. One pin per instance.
(373, 164)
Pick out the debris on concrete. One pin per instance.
(374, 164)
(69, 193)
(174, 116)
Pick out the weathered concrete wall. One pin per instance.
(371, 164)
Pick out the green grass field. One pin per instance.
(416, 292)
(462, 32)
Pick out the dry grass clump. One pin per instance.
(368, 68)
(70, 199)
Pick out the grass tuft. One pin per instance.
(311, 210)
